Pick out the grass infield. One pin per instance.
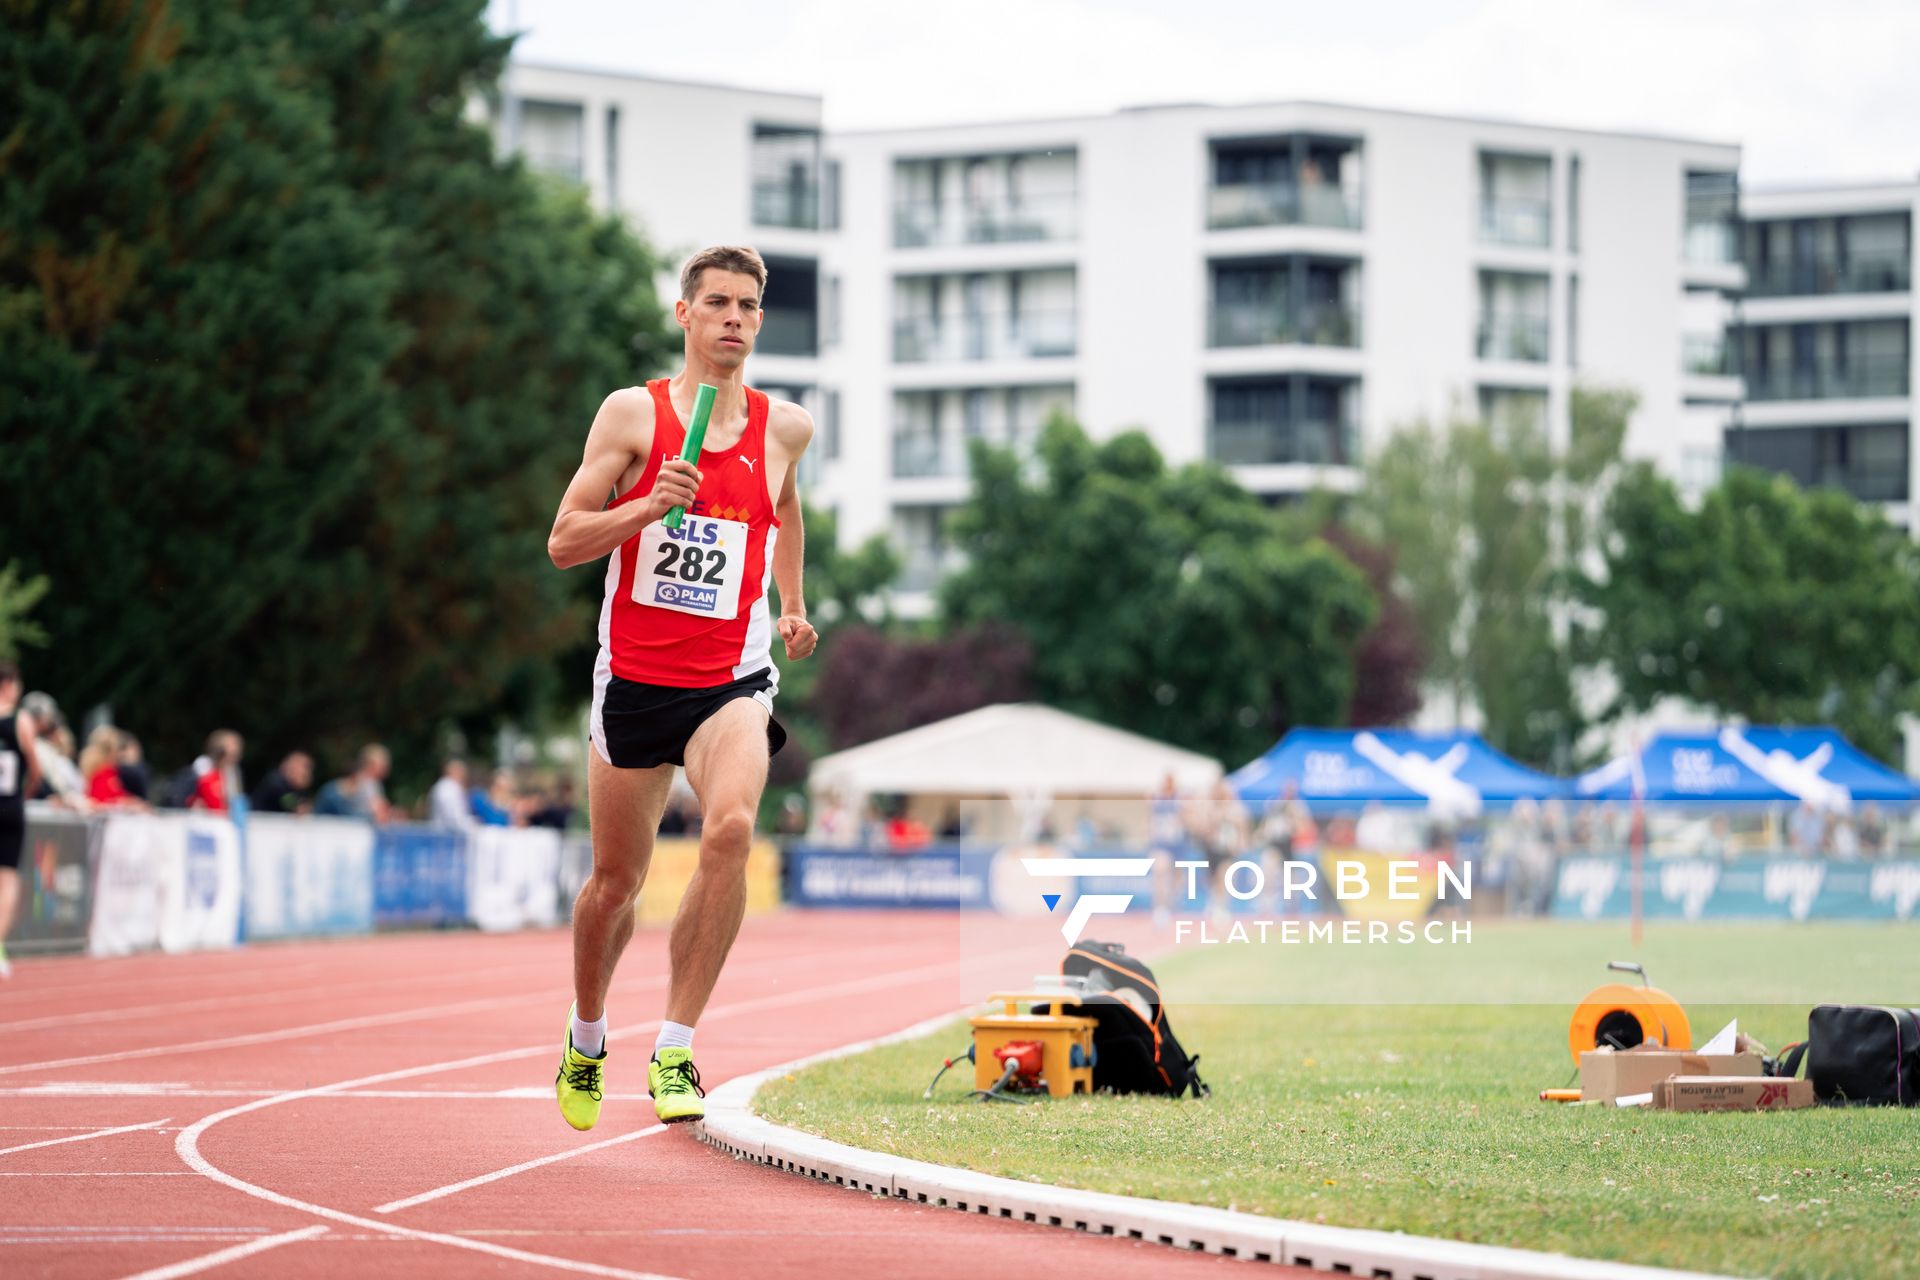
(1424, 1118)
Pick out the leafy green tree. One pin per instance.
(18, 596)
(1766, 602)
(1488, 524)
(1168, 602)
(296, 368)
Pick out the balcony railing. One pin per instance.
(558, 164)
(1861, 379)
(1705, 355)
(1327, 324)
(1517, 221)
(1052, 216)
(1281, 204)
(1880, 273)
(1020, 335)
(1263, 443)
(788, 331)
(1513, 337)
(1711, 243)
(781, 203)
(917, 454)
(1865, 483)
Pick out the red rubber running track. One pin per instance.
(336, 1108)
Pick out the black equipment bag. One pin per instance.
(1864, 1055)
(1135, 1050)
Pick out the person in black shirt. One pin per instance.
(19, 775)
(285, 789)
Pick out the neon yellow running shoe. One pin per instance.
(577, 1084)
(674, 1084)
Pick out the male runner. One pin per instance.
(19, 778)
(685, 674)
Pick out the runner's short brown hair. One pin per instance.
(726, 257)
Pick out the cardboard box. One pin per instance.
(1731, 1093)
(1606, 1074)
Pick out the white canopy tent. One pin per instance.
(1007, 766)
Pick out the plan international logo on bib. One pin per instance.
(686, 597)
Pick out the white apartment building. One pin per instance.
(1826, 341)
(1271, 287)
(693, 165)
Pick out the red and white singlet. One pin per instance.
(687, 607)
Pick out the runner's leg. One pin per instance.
(727, 767)
(624, 807)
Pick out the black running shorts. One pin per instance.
(639, 726)
(13, 838)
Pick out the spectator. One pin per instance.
(100, 766)
(486, 810)
(792, 821)
(362, 793)
(284, 789)
(1873, 831)
(1375, 832)
(1842, 840)
(556, 813)
(833, 822)
(1807, 830)
(19, 775)
(217, 786)
(447, 800)
(60, 778)
(135, 778)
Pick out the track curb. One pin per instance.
(732, 1127)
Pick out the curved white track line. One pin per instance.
(187, 1145)
(194, 1266)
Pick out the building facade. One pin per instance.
(1270, 287)
(1826, 344)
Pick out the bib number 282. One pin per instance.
(694, 569)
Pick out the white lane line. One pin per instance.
(136, 1090)
(194, 1266)
(82, 1137)
(338, 1024)
(101, 1173)
(88, 1017)
(187, 1145)
(396, 1206)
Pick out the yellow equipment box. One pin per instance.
(1066, 1040)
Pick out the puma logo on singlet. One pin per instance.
(744, 458)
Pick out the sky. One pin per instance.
(1814, 92)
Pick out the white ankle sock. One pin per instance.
(673, 1035)
(590, 1038)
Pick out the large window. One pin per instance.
(553, 138)
(1281, 181)
(791, 324)
(1260, 301)
(1839, 360)
(1516, 199)
(1865, 253)
(786, 176)
(1514, 317)
(1712, 217)
(1294, 419)
(985, 315)
(1869, 462)
(986, 199)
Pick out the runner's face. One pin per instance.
(724, 317)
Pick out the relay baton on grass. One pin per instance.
(696, 436)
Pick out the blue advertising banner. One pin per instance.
(937, 878)
(419, 877)
(1779, 888)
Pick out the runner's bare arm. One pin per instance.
(24, 732)
(584, 529)
(792, 429)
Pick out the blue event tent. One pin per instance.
(1752, 765)
(1452, 774)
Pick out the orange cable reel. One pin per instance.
(1619, 1016)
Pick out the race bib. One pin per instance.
(693, 569)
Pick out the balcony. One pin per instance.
(1281, 204)
(1023, 335)
(1712, 243)
(1886, 273)
(918, 455)
(1705, 355)
(926, 223)
(788, 331)
(785, 203)
(1514, 220)
(1513, 337)
(1860, 379)
(1325, 324)
(1255, 443)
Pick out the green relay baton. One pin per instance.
(696, 436)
